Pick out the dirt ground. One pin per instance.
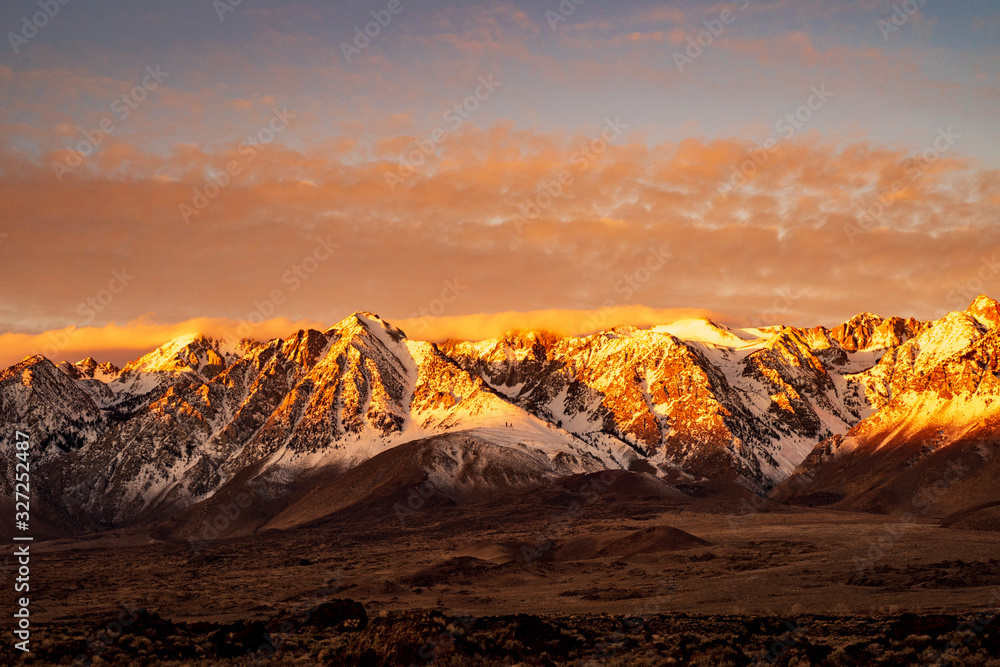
(553, 583)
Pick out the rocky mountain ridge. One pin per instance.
(692, 402)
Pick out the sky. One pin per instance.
(464, 167)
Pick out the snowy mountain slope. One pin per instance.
(939, 400)
(692, 401)
(442, 469)
(57, 412)
(317, 399)
(917, 356)
(754, 401)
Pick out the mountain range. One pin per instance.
(866, 416)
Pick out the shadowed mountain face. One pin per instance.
(320, 421)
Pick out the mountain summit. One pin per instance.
(809, 413)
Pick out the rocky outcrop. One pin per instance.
(692, 401)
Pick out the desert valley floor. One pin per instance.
(543, 577)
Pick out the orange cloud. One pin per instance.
(566, 322)
(467, 217)
(124, 342)
(120, 343)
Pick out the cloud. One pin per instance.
(120, 343)
(488, 211)
(566, 322)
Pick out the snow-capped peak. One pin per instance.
(693, 396)
(985, 310)
(193, 352)
(705, 331)
(89, 369)
(363, 322)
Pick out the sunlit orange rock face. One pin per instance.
(937, 408)
(692, 401)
